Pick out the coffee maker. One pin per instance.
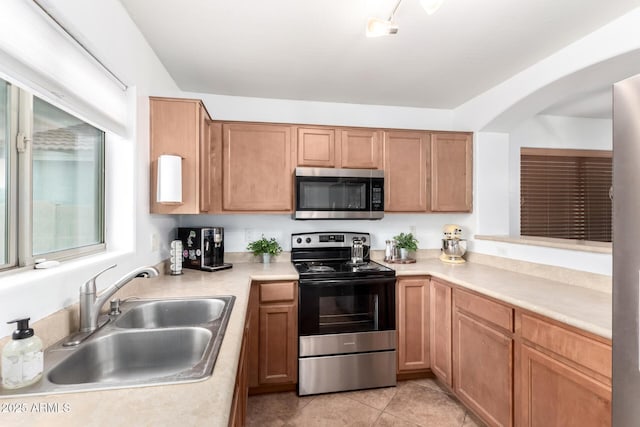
(203, 248)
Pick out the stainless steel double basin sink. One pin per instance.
(151, 342)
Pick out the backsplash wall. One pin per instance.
(239, 229)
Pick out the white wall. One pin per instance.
(114, 38)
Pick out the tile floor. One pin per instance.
(409, 404)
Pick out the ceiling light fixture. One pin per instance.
(377, 27)
(431, 6)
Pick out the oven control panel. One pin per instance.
(327, 240)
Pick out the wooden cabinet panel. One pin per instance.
(440, 331)
(240, 393)
(451, 172)
(273, 338)
(277, 291)
(553, 394)
(361, 149)
(483, 369)
(490, 311)
(178, 127)
(593, 355)
(316, 147)
(406, 162)
(278, 344)
(412, 296)
(257, 167)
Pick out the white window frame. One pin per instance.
(20, 194)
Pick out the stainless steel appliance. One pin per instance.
(453, 245)
(327, 193)
(626, 252)
(346, 315)
(203, 248)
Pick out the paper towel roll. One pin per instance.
(169, 179)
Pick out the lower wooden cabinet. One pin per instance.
(563, 378)
(483, 358)
(440, 331)
(273, 354)
(241, 390)
(412, 312)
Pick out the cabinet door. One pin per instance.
(413, 324)
(317, 147)
(361, 148)
(552, 394)
(451, 172)
(257, 168)
(406, 162)
(278, 344)
(483, 369)
(240, 393)
(205, 164)
(440, 331)
(176, 127)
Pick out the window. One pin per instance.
(4, 170)
(566, 194)
(57, 164)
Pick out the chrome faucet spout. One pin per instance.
(90, 304)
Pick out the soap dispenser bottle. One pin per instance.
(22, 358)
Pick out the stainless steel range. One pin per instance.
(346, 314)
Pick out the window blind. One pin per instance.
(565, 194)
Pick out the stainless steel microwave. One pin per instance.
(327, 193)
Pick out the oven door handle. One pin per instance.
(347, 281)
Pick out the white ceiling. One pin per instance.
(317, 49)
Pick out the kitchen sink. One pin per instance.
(134, 356)
(151, 342)
(167, 313)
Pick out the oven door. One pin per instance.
(346, 306)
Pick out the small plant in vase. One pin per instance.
(266, 248)
(406, 243)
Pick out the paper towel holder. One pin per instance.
(169, 180)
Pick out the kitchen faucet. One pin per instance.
(90, 305)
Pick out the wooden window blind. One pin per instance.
(566, 193)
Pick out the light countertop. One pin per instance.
(208, 402)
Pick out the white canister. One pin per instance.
(175, 259)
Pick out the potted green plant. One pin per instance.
(406, 243)
(265, 247)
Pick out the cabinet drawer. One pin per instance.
(492, 312)
(587, 352)
(280, 291)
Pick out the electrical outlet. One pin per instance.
(155, 242)
(412, 229)
(249, 235)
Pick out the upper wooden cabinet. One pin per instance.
(361, 148)
(257, 170)
(317, 147)
(180, 127)
(451, 172)
(406, 163)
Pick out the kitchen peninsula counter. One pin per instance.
(208, 402)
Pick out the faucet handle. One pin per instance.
(90, 285)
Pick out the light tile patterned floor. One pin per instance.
(410, 404)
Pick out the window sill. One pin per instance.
(574, 245)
